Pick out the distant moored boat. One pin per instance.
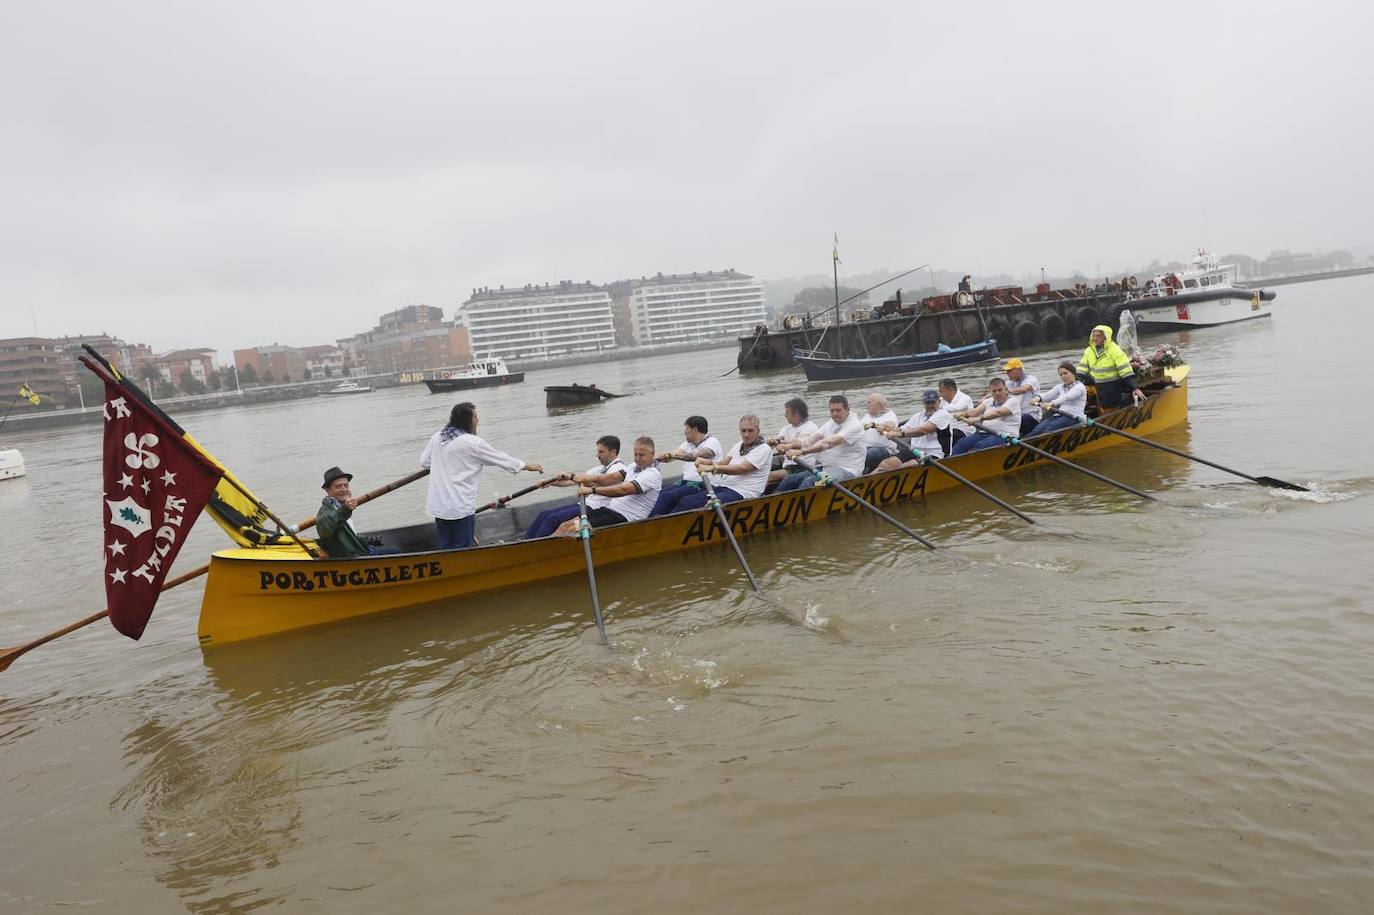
(823, 368)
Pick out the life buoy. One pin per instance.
(1053, 326)
(1025, 333)
(962, 299)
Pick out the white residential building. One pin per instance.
(688, 307)
(538, 322)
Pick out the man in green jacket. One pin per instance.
(336, 534)
(1106, 366)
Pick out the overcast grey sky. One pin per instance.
(233, 174)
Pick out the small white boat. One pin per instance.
(11, 464)
(348, 387)
(1205, 294)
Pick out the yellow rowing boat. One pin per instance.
(257, 592)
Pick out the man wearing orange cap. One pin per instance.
(1027, 388)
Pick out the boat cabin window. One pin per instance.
(1190, 283)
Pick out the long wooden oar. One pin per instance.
(929, 460)
(8, 655)
(826, 481)
(1013, 440)
(584, 531)
(1263, 481)
(500, 502)
(720, 514)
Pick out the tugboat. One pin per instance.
(1205, 294)
(484, 373)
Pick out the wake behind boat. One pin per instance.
(1204, 294)
(819, 367)
(484, 373)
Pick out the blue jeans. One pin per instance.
(699, 498)
(383, 551)
(1053, 423)
(976, 442)
(807, 479)
(875, 456)
(550, 519)
(455, 535)
(1028, 422)
(668, 498)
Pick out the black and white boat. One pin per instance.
(484, 373)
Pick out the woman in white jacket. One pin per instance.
(1070, 397)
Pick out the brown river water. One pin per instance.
(1147, 707)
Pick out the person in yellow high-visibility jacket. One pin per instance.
(1106, 366)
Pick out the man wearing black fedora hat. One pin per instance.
(336, 532)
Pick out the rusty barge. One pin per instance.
(1015, 318)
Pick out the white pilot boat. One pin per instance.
(1204, 294)
(347, 387)
(11, 464)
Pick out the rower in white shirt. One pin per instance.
(743, 474)
(454, 458)
(797, 425)
(876, 445)
(609, 469)
(926, 432)
(954, 401)
(1026, 388)
(631, 500)
(696, 442)
(841, 440)
(999, 413)
(1070, 397)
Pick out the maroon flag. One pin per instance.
(155, 487)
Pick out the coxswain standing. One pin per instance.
(454, 458)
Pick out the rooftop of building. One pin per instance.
(532, 290)
(678, 279)
(178, 355)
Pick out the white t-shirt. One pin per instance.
(1072, 400)
(600, 470)
(1007, 425)
(1026, 406)
(751, 484)
(960, 404)
(636, 506)
(872, 437)
(929, 442)
(455, 470)
(690, 474)
(790, 432)
(849, 454)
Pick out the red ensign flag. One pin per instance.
(155, 487)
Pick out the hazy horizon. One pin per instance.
(235, 175)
